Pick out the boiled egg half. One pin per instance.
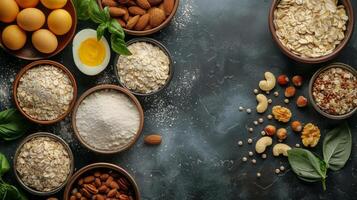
(90, 55)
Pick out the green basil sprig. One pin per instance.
(7, 191)
(89, 9)
(337, 146)
(12, 125)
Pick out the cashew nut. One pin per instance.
(280, 148)
(262, 103)
(269, 83)
(262, 144)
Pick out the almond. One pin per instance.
(132, 22)
(142, 23)
(102, 189)
(136, 10)
(126, 16)
(112, 193)
(99, 197)
(114, 185)
(117, 12)
(121, 22)
(168, 6)
(143, 3)
(110, 3)
(123, 1)
(148, 27)
(131, 3)
(157, 16)
(104, 177)
(153, 139)
(88, 179)
(154, 2)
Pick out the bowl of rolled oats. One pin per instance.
(148, 70)
(45, 91)
(43, 163)
(333, 91)
(311, 31)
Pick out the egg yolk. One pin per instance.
(91, 52)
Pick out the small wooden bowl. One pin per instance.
(312, 99)
(35, 64)
(120, 90)
(56, 138)
(153, 30)
(28, 52)
(157, 44)
(338, 49)
(98, 166)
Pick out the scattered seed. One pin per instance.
(286, 101)
(261, 120)
(255, 123)
(277, 171)
(241, 108)
(240, 143)
(249, 110)
(264, 156)
(254, 161)
(250, 129)
(244, 159)
(276, 94)
(267, 92)
(270, 116)
(262, 133)
(256, 91)
(297, 145)
(270, 101)
(259, 175)
(250, 153)
(282, 168)
(250, 141)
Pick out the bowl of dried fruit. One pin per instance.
(311, 31)
(333, 92)
(141, 17)
(45, 91)
(102, 181)
(43, 163)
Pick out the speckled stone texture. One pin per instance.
(221, 50)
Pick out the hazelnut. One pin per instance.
(296, 126)
(282, 134)
(301, 102)
(283, 80)
(270, 130)
(72, 198)
(297, 81)
(290, 91)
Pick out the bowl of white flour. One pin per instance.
(107, 119)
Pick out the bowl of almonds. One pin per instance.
(311, 31)
(141, 17)
(102, 181)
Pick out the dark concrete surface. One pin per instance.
(221, 50)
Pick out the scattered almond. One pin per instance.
(168, 6)
(157, 16)
(136, 10)
(110, 3)
(121, 22)
(143, 3)
(142, 23)
(117, 12)
(132, 22)
(153, 139)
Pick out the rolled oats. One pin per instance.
(146, 70)
(45, 92)
(43, 164)
(310, 28)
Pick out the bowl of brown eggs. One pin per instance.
(36, 29)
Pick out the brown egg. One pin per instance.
(44, 41)
(31, 19)
(13, 37)
(27, 3)
(59, 21)
(8, 10)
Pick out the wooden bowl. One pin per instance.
(35, 64)
(312, 99)
(100, 166)
(56, 138)
(120, 90)
(338, 49)
(153, 30)
(157, 44)
(28, 52)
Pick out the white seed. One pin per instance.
(249, 110)
(277, 171)
(250, 153)
(241, 108)
(276, 94)
(270, 117)
(250, 129)
(255, 123)
(254, 161)
(270, 101)
(262, 133)
(250, 141)
(264, 156)
(267, 92)
(259, 175)
(256, 91)
(297, 145)
(240, 143)
(282, 168)
(286, 101)
(244, 159)
(261, 120)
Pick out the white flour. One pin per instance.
(107, 120)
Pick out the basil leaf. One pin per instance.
(337, 147)
(12, 193)
(82, 9)
(115, 28)
(96, 15)
(306, 165)
(101, 30)
(4, 165)
(118, 45)
(12, 124)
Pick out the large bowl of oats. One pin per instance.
(311, 31)
(43, 163)
(45, 91)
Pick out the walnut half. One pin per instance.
(281, 114)
(310, 135)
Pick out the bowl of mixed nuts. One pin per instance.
(43, 163)
(141, 17)
(102, 181)
(311, 31)
(45, 91)
(333, 92)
